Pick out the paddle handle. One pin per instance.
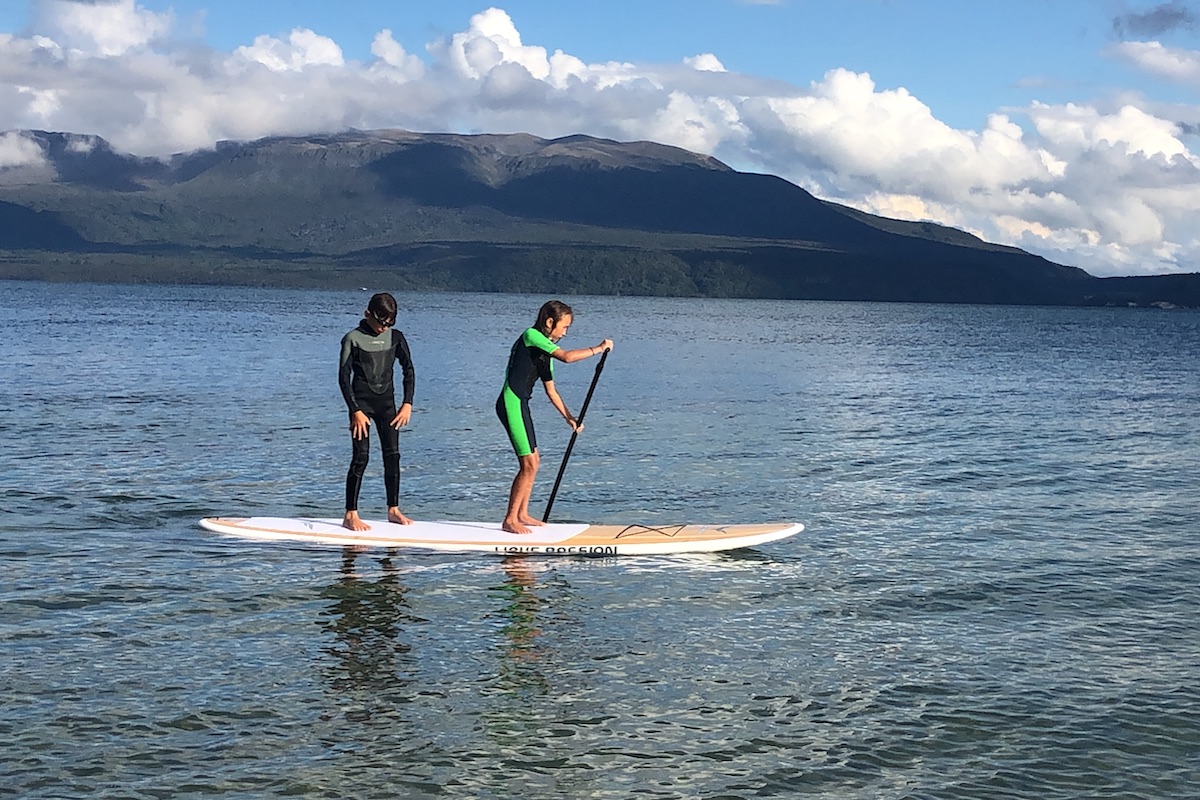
(571, 444)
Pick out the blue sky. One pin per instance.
(1066, 127)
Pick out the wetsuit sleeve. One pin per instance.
(346, 374)
(537, 340)
(539, 343)
(546, 369)
(404, 356)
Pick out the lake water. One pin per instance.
(996, 596)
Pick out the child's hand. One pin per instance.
(359, 425)
(402, 416)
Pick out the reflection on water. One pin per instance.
(368, 619)
(522, 650)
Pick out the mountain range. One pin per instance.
(516, 213)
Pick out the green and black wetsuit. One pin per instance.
(528, 362)
(365, 378)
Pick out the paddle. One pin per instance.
(570, 445)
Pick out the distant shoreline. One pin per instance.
(131, 269)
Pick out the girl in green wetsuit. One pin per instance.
(530, 360)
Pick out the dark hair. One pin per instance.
(552, 310)
(383, 307)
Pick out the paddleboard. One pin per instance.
(568, 539)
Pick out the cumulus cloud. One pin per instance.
(1110, 188)
(706, 62)
(393, 59)
(303, 48)
(102, 27)
(493, 41)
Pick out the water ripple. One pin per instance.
(994, 595)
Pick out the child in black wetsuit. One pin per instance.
(365, 377)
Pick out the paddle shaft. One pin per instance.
(571, 445)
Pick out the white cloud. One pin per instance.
(705, 62)
(394, 59)
(1112, 189)
(43, 103)
(1156, 59)
(1078, 129)
(303, 48)
(77, 143)
(17, 150)
(104, 28)
(491, 41)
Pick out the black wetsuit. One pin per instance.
(365, 378)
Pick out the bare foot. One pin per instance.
(395, 516)
(353, 522)
(514, 526)
(532, 521)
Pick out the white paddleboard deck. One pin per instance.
(551, 539)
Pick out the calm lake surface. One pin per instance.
(997, 594)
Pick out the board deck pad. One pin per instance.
(556, 538)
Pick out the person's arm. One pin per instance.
(404, 356)
(359, 422)
(570, 356)
(558, 403)
(346, 375)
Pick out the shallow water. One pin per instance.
(995, 595)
